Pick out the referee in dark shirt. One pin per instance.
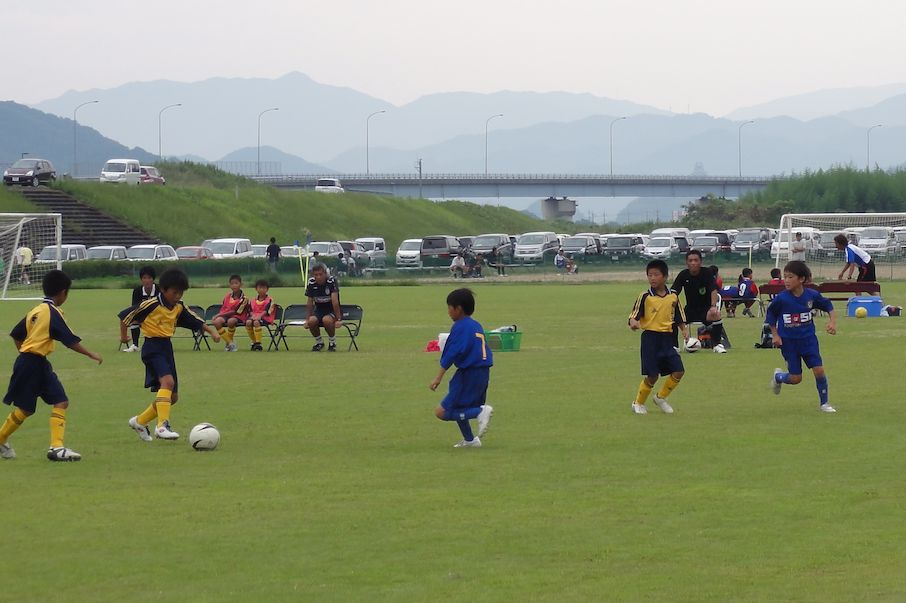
(273, 255)
(702, 297)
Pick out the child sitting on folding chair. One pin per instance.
(262, 311)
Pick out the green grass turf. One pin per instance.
(334, 482)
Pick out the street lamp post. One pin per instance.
(611, 142)
(487, 121)
(739, 142)
(75, 135)
(367, 142)
(868, 147)
(160, 155)
(258, 162)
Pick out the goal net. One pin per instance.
(882, 236)
(30, 246)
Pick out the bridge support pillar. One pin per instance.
(558, 209)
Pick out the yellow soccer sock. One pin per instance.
(257, 337)
(230, 334)
(251, 332)
(162, 402)
(669, 385)
(222, 332)
(148, 415)
(644, 390)
(57, 426)
(12, 423)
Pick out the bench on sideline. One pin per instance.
(295, 315)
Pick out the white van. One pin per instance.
(878, 241)
(536, 246)
(670, 232)
(376, 249)
(329, 185)
(225, 249)
(116, 171)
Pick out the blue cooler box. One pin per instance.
(874, 305)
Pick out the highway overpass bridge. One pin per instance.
(553, 187)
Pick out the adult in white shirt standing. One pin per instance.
(797, 248)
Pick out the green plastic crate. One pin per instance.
(504, 342)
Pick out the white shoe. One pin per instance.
(233, 347)
(639, 409)
(163, 432)
(63, 454)
(775, 385)
(720, 349)
(142, 430)
(7, 452)
(475, 443)
(130, 348)
(663, 405)
(484, 419)
(827, 408)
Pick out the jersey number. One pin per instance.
(484, 349)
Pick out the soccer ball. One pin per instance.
(861, 312)
(204, 436)
(693, 345)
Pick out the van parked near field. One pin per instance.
(438, 250)
(68, 253)
(409, 254)
(485, 244)
(107, 252)
(878, 241)
(536, 246)
(376, 248)
(121, 171)
(329, 185)
(225, 249)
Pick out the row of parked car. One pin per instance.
(32, 171)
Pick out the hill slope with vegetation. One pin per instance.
(201, 202)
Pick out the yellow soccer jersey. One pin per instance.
(658, 312)
(40, 327)
(159, 320)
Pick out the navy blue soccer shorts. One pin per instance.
(659, 357)
(468, 388)
(796, 350)
(157, 355)
(320, 313)
(32, 377)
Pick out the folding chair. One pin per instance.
(352, 321)
(294, 315)
(274, 329)
(201, 335)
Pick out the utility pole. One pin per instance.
(418, 165)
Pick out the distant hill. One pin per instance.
(27, 130)
(821, 103)
(273, 161)
(889, 112)
(315, 120)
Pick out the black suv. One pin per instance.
(486, 243)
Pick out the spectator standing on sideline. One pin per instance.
(498, 260)
(797, 248)
(273, 255)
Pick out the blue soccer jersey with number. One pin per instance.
(466, 346)
(793, 315)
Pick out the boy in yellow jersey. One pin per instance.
(158, 318)
(33, 375)
(262, 311)
(233, 311)
(656, 311)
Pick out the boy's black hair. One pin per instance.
(261, 282)
(659, 265)
(799, 268)
(147, 271)
(776, 273)
(173, 278)
(841, 239)
(747, 272)
(714, 270)
(273, 240)
(55, 282)
(462, 298)
(233, 277)
(692, 252)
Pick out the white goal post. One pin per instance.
(883, 236)
(23, 238)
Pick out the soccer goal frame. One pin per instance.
(820, 229)
(22, 238)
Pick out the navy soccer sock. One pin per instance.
(783, 378)
(821, 384)
(466, 430)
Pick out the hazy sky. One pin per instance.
(704, 55)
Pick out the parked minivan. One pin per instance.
(536, 246)
(486, 243)
(438, 250)
(68, 253)
(409, 254)
(376, 249)
(116, 171)
(224, 249)
(329, 185)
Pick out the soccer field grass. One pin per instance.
(334, 481)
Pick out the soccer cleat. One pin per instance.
(473, 443)
(163, 432)
(827, 408)
(639, 409)
(256, 347)
(131, 348)
(720, 349)
(331, 347)
(663, 405)
(484, 419)
(317, 347)
(142, 430)
(748, 312)
(775, 385)
(7, 452)
(63, 455)
(233, 347)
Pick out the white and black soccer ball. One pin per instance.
(204, 436)
(693, 345)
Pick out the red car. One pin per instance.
(150, 175)
(194, 253)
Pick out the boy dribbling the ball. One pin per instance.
(793, 329)
(159, 317)
(467, 349)
(656, 311)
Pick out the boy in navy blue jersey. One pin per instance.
(146, 290)
(33, 375)
(793, 329)
(467, 349)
